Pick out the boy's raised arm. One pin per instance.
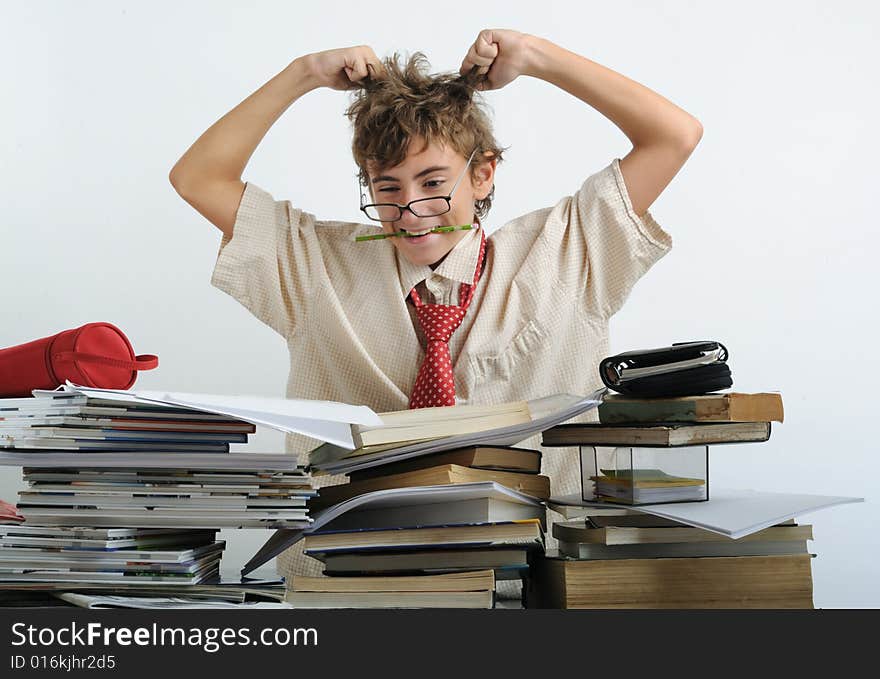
(208, 175)
(663, 135)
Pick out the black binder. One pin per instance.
(682, 369)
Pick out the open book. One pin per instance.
(544, 413)
(429, 423)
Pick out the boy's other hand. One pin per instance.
(341, 69)
(500, 55)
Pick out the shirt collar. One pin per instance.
(459, 264)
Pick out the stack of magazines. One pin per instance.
(95, 555)
(53, 420)
(127, 492)
(200, 497)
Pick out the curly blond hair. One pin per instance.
(387, 112)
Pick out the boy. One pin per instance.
(427, 318)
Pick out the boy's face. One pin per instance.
(425, 172)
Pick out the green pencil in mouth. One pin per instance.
(404, 234)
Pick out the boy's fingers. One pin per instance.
(358, 70)
(375, 69)
(476, 57)
(485, 47)
(472, 59)
(372, 63)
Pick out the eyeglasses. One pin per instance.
(421, 207)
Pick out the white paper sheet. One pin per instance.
(324, 420)
(730, 512)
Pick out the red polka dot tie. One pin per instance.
(435, 383)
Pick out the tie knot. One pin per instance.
(439, 321)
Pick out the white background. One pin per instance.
(773, 217)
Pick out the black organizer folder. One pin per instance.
(682, 369)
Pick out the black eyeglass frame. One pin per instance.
(408, 206)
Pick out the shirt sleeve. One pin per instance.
(270, 263)
(607, 247)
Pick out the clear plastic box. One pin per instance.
(638, 476)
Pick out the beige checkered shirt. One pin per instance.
(537, 324)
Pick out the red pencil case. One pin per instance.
(93, 355)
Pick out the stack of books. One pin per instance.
(620, 534)
(435, 491)
(472, 589)
(418, 532)
(622, 558)
(515, 468)
(125, 493)
(446, 541)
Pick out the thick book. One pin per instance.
(512, 559)
(498, 458)
(591, 550)
(473, 510)
(535, 485)
(506, 533)
(468, 581)
(780, 581)
(726, 407)
(475, 599)
(578, 531)
(660, 435)
(430, 423)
